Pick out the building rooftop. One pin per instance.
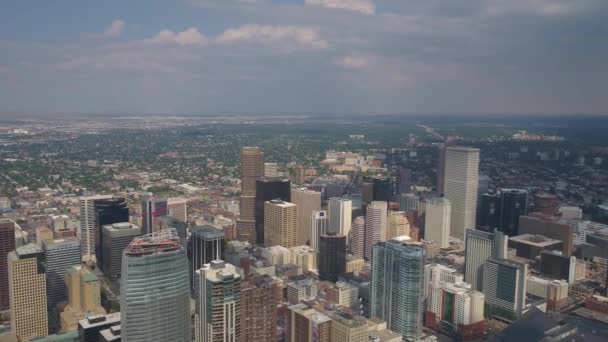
(93, 321)
(120, 226)
(161, 242)
(282, 203)
(535, 240)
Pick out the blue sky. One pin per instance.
(304, 56)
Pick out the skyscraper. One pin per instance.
(87, 226)
(441, 169)
(268, 189)
(377, 188)
(155, 290)
(340, 215)
(332, 256)
(319, 225)
(479, 247)
(206, 243)
(281, 221)
(461, 182)
(308, 201)
(398, 285)
(501, 210)
(116, 237)
(375, 225)
(27, 292)
(252, 167)
(7, 245)
(357, 246)
(397, 224)
(83, 297)
(437, 221)
(152, 210)
(504, 286)
(258, 309)
(218, 303)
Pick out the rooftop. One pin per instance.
(161, 242)
(535, 240)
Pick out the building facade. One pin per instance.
(280, 224)
(252, 167)
(332, 256)
(461, 182)
(116, 237)
(437, 221)
(7, 245)
(340, 215)
(269, 189)
(479, 247)
(307, 202)
(375, 226)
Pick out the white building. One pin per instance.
(375, 225)
(319, 225)
(480, 246)
(340, 215)
(277, 255)
(87, 226)
(461, 183)
(456, 303)
(308, 202)
(398, 225)
(437, 221)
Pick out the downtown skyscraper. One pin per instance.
(7, 245)
(479, 247)
(437, 221)
(155, 290)
(461, 182)
(252, 167)
(376, 221)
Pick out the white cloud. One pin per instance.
(353, 62)
(189, 37)
(300, 36)
(362, 6)
(115, 29)
(535, 7)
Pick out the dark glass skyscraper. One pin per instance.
(206, 243)
(379, 188)
(7, 245)
(267, 189)
(108, 211)
(332, 256)
(501, 210)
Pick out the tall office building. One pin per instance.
(59, 255)
(84, 297)
(280, 224)
(218, 303)
(501, 210)
(205, 244)
(340, 215)
(461, 182)
(152, 210)
(27, 292)
(408, 202)
(555, 265)
(268, 189)
(271, 169)
(319, 225)
(252, 167)
(397, 225)
(332, 256)
(504, 286)
(376, 188)
(87, 226)
(437, 221)
(116, 237)
(108, 211)
(258, 309)
(155, 290)
(7, 245)
(308, 202)
(357, 246)
(375, 225)
(479, 247)
(398, 285)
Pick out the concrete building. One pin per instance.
(258, 309)
(348, 328)
(553, 290)
(269, 189)
(530, 246)
(555, 265)
(112, 334)
(116, 237)
(302, 289)
(319, 225)
(437, 221)
(205, 244)
(504, 285)
(332, 256)
(304, 256)
(306, 324)
(354, 263)
(271, 170)
(89, 328)
(397, 225)
(218, 303)
(87, 226)
(307, 202)
(547, 204)
(551, 229)
(155, 290)
(27, 292)
(375, 225)
(280, 224)
(7, 245)
(276, 255)
(84, 297)
(340, 215)
(252, 167)
(398, 286)
(343, 293)
(479, 247)
(357, 246)
(461, 182)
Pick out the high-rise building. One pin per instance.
(59, 255)
(397, 225)
(152, 210)
(271, 169)
(408, 202)
(115, 238)
(375, 225)
(7, 245)
(27, 292)
(306, 324)
(280, 224)
(461, 182)
(218, 303)
(556, 265)
(258, 310)
(268, 189)
(205, 244)
(504, 286)
(178, 208)
(376, 188)
(319, 225)
(84, 297)
(348, 328)
(108, 211)
(87, 226)
(479, 247)
(398, 286)
(332, 256)
(155, 290)
(357, 246)
(405, 180)
(437, 221)
(501, 210)
(549, 228)
(252, 167)
(340, 215)
(308, 202)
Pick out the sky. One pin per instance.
(304, 56)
